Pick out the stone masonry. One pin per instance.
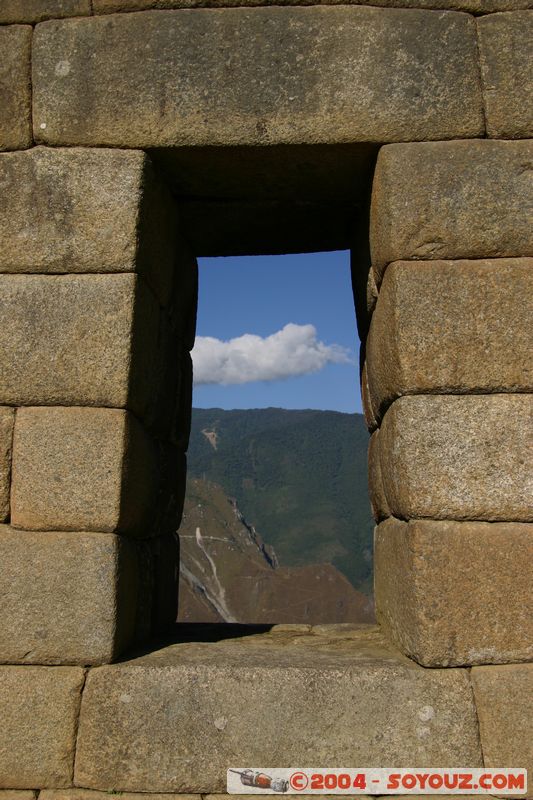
(136, 135)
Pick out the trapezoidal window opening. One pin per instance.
(277, 526)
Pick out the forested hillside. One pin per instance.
(299, 477)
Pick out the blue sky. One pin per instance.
(260, 295)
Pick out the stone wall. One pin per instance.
(173, 719)
(131, 142)
(448, 396)
(97, 297)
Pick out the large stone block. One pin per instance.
(15, 87)
(459, 457)
(39, 10)
(88, 340)
(294, 75)
(40, 707)
(456, 593)
(65, 598)
(505, 44)
(452, 327)
(172, 721)
(504, 702)
(451, 200)
(475, 6)
(83, 469)
(7, 419)
(82, 210)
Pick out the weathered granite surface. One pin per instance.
(452, 327)
(87, 210)
(83, 340)
(39, 10)
(456, 593)
(505, 44)
(451, 200)
(253, 76)
(343, 697)
(504, 701)
(40, 707)
(473, 6)
(77, 469)
(378, 501)
(15, 87)
(7, 421)
(459, 457)
(65, 597)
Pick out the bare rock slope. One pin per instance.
(229, 574)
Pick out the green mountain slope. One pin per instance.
(299, 477)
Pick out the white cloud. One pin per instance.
(294, 350)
